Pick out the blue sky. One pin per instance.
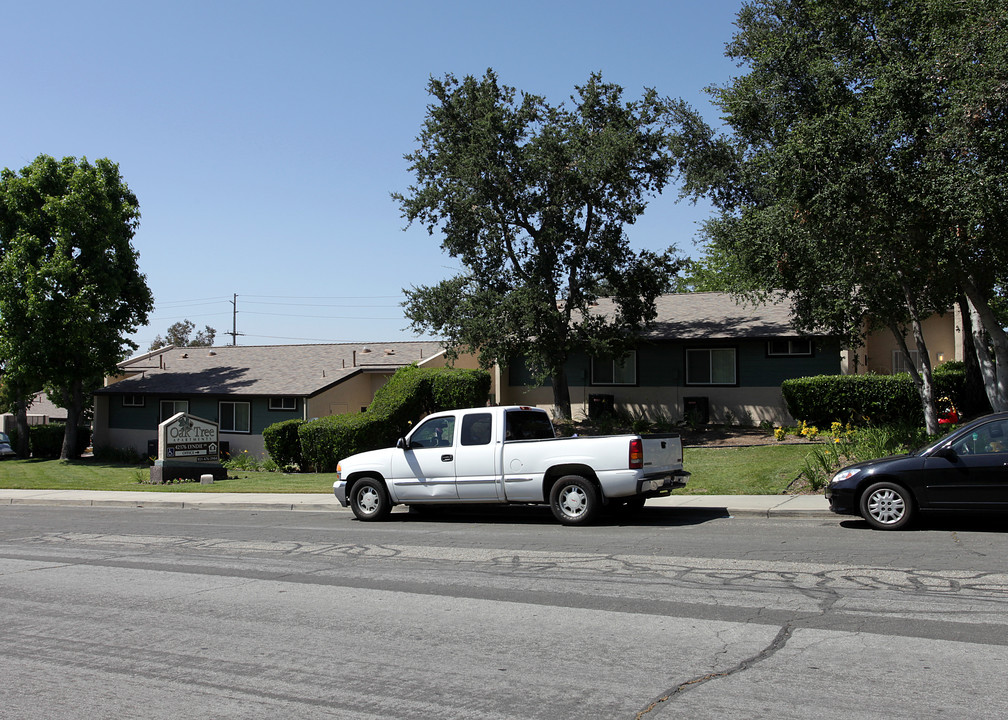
(263, 139)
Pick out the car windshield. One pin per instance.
(934, 444)
(4, 438)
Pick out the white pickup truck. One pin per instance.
(509, 455)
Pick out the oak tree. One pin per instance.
(862, 170)
(534, 200)
(71, 291)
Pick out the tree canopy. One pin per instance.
(533, 199)
(863, 167)
(70, 288)
(179, 334)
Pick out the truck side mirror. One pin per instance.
(402, 444)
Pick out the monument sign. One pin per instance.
(188, 449)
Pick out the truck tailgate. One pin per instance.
(662, 453)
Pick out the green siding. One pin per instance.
(662, 364)
(146, 418)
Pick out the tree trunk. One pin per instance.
(74, 408)
(21, 423)
(922, 378)
(561, 393)
(974, 391)
(993, 366)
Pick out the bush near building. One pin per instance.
(408, 395)
(875, 399)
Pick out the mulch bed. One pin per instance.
(721, 436)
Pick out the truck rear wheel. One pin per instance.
(574, 500)
(369, 500)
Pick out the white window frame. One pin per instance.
(627, 363)
(280, 403)
(234, 416)
(131, 400)
(175, 404)
(710, 366)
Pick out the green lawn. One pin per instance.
(90, 474)
(762, 470)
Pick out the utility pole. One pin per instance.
(234, 321)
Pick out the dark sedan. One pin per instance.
(965, 470)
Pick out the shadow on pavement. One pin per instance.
(541, 515)
(945, 521)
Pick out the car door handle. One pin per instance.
(447, 458)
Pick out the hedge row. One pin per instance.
(878, 399)
(46, 441)
(408, 395)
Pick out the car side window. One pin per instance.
(437, 432)
(989, 438)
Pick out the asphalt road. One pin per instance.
(112, 613)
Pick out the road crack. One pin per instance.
(776, 644)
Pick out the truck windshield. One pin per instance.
(528, 425)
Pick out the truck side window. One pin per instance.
(476, 429)
(528, 425)
(434, 433)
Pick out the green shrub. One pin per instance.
(46, 441)
(876, 399)
(410, 393)
(283, 444)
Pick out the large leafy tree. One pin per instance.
(861, 172)
(71, 291)
(533, 199)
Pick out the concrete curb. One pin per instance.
(768, 506)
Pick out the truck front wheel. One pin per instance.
(574, 500)
(369, 500)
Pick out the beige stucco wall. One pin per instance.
(468, 361)
(942, 335)
(347, 397)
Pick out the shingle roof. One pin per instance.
(263, 370)
(714, 315)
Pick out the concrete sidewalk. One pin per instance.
(736, 505)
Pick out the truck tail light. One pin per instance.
(636, 454)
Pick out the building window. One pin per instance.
(789, 348)
(710, 366)
(283, 403)
(899, 361)
(235, 417)
(171, 407)
(133, 400)
(620, 371)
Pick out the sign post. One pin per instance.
(188, 449)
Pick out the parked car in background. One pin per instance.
(6, 451)
(965, 470)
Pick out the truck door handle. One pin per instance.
(447, 458)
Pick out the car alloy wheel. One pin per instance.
(886, 506)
